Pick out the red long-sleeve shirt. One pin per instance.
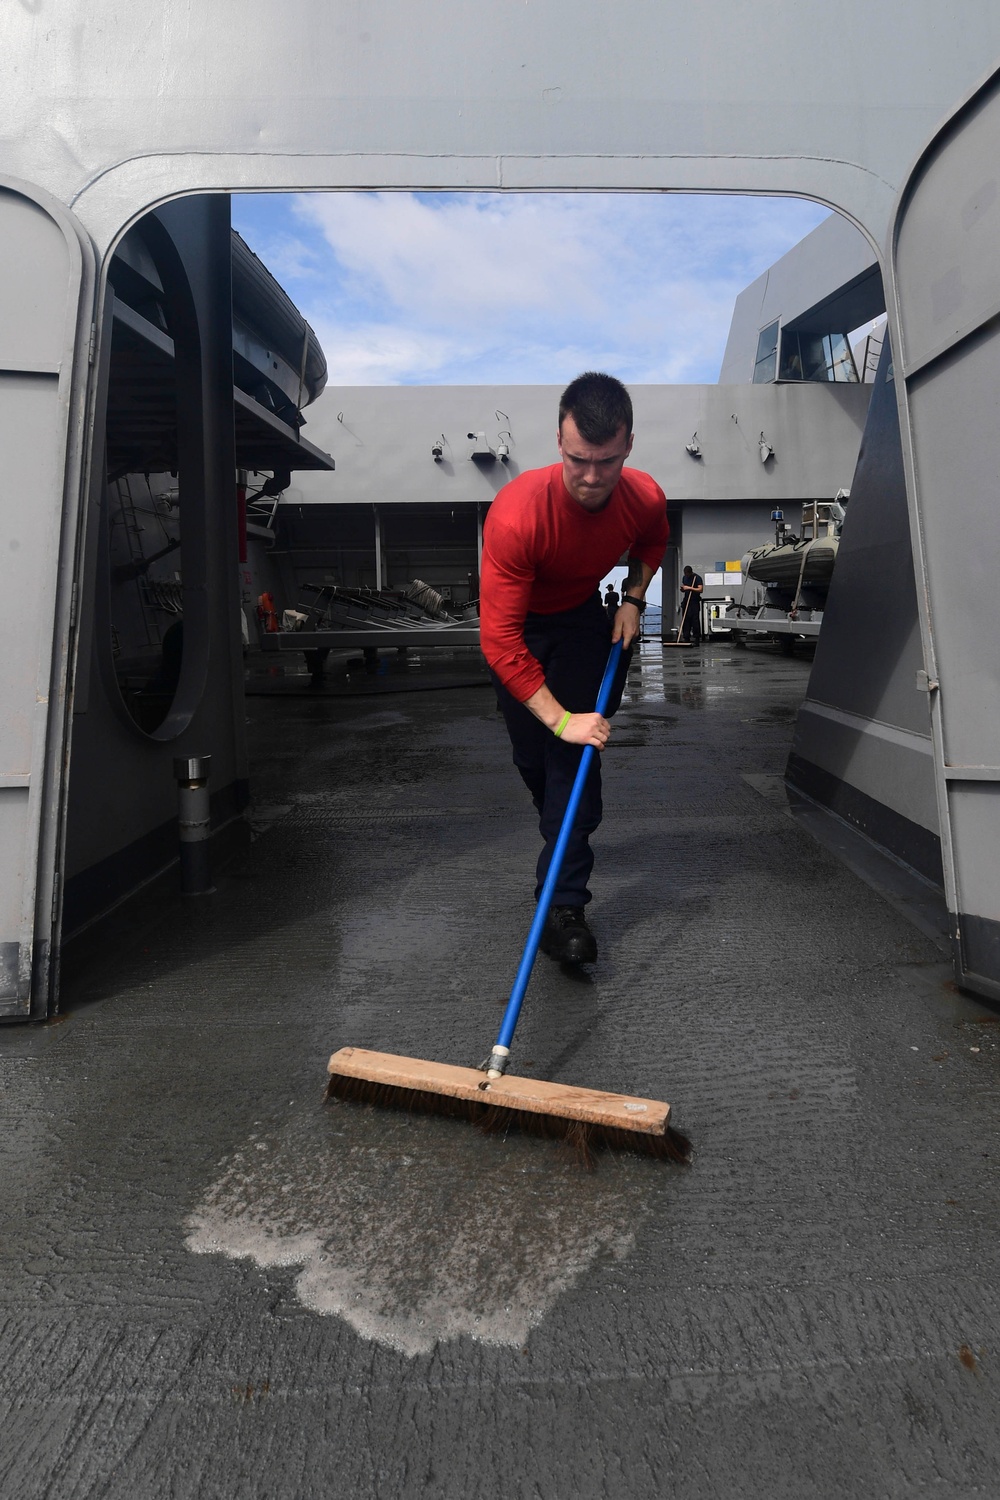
(543, 552)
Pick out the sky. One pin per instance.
(519, 288)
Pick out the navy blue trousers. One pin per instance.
(573, 650)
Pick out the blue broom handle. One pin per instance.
(530, 953)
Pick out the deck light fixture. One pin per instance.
(693, 447)
(437, 449)
(766, 451)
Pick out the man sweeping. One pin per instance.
(550, 537)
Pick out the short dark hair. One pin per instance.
(599, 405)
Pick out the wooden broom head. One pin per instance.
(617, 1112)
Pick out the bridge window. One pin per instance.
(765, 365)
(813, 356)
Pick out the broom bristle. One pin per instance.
(580, 1136)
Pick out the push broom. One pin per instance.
(585, 1118)
(680, 629)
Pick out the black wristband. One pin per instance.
(640, 604)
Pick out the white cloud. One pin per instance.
(380, 354)
(464, 256)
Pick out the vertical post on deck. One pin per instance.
(378, 549)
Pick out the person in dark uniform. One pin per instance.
(692, 587)
(611, 602)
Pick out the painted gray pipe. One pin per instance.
(191, 775)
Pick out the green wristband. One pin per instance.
(562, 724)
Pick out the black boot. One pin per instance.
(566, 936)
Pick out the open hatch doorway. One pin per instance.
(445, 325)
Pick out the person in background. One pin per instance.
(692, 587)
(551, 535)
(611, 602)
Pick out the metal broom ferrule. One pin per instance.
(497, 1065)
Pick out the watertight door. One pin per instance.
(46, 292)
(945, 285)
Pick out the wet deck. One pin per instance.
(213, 1285)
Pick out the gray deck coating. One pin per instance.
(215, 1285)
